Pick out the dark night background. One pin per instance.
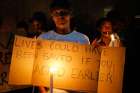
(86, 12)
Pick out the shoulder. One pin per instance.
(46, 34)
(81, 36)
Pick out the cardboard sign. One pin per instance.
(5, 56)
(78, 70)
(79, 65)
(111, 70)
(22, 61)
(5, 60)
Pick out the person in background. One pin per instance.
(22, 28)
(38, 24)
(32, 29)
(104, 29)
(61, 14)
(120, 24)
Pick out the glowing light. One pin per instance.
(53, 67)
(112, 37)
(112, 40)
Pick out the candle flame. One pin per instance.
(53, 67)
(112, 37)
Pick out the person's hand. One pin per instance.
(95, 43)
(42, 89)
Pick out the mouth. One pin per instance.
(61, 23)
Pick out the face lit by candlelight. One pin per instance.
(61, 18)
(36, 26)
(106, 29)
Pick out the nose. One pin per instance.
(107, 34)
(107, 28)
(62, 17)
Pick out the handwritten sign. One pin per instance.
(79, 65)
(31, 58)
(111, 70)
(5, 56)
(5, 60)
(22, 60)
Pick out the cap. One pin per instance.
(64, 4)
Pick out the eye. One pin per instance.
(61, 13)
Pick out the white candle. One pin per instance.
(51, 82)
(112, 39)
(52, 69)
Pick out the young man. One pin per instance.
(61, 14)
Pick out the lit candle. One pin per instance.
(51, 82)
(52, 69)
(112, 39)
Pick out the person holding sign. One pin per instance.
(112, 58)
(61, 14)
(105, 32)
